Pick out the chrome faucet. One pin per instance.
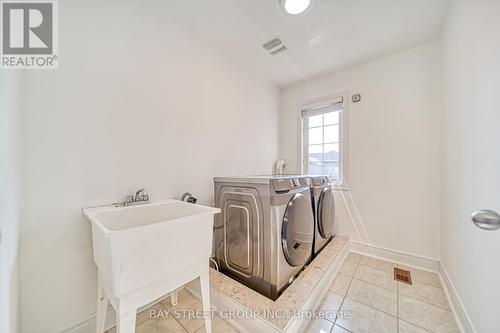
(141, 195)
(140, 198)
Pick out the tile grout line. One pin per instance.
(376, 285)
(389, 262)
(373, 284)
(371, 307)
(434, 305)
(419, 300)
(425, 329)
(342, 328)
(411, 323)
(177, 320)
(345, 296)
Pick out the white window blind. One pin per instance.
(323, 138)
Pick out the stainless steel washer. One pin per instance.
(264, 234)
(324, 211)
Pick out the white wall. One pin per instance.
(9, 223)
(137, 101)
(394, 148)
(471, 176)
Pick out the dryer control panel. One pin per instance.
(320, 181)
(284, 185)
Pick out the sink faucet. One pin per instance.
(141, 197)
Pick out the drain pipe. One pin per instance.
(188, 197)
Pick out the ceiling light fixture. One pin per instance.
(294, 7)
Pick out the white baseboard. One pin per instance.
(461, 315)
(87, 325)
(417, 261)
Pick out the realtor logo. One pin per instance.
(29, 34)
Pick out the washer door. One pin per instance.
(297, 230)
(326, 213)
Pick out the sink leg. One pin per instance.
(102, 305)
(126, 322)
(174, 297)
(205, 297)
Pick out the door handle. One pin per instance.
(486, 219)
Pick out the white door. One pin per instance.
(470, 256)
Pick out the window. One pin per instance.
(323, 139)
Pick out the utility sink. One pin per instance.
(137, 244)
(147, 251)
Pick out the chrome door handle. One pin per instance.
(486, 219)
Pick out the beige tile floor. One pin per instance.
(365, 290)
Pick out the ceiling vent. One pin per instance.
(275, 46)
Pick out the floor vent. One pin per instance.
(402, 275)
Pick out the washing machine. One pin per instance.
(323, 205)
(264, 234)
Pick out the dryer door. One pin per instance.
(326, 213)
(297, 230)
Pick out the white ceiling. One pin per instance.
(329, 36)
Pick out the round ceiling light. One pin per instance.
(295, 7)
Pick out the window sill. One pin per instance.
(339, 186)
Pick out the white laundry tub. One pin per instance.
(143, 252)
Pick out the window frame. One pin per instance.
(305, 111)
